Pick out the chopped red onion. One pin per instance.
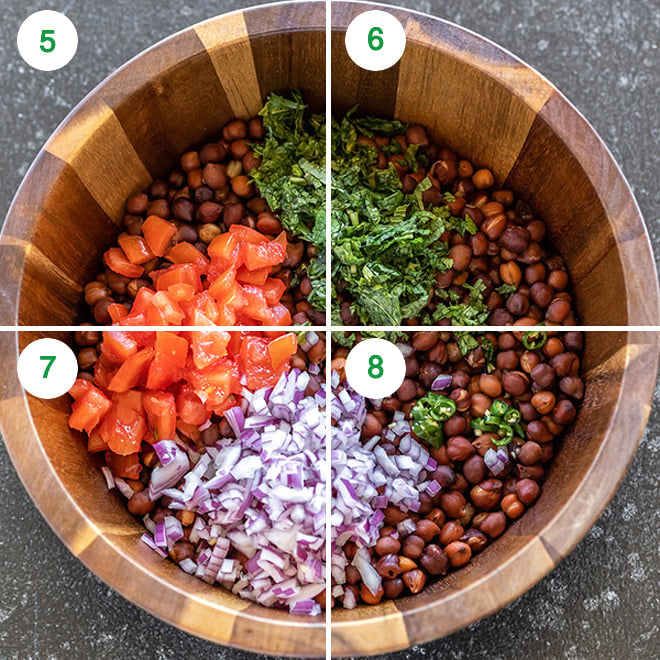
(441, 382)
(261, 493)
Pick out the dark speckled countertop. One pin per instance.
(603, 601)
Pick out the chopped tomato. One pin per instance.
(88, 410)
(116, 260)
(80, 387)
(281, 350)
(118, 346)
(161, 412)
(131, 372)
(207, 346)
(279, 315)
(259, 276)
(247, 235)
(190, 408)
(215, 384)
(273, 290)
(141, 302)
(135, 248)
(256, 363)
(117, 312)
(263, 255)
(178, 274)
(158, 233)
(256, 305)
(186, 253)
(225, 248)
(181, 292)
(126, 467)
(169, 358)
(223, 283)
(124, 425)
(163, 310)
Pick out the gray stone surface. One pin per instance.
(603, 600)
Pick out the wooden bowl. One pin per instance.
(467, 91)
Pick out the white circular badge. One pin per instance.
(47, 368)
(47, 40)
(375, 40)
(375, 368)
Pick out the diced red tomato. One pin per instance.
(163, 310)
(215, 384)
(131, 372)
(169, 359)
(279, 315)
(80, 387)
(118, 346)
(88, 410)
(281, 350)
(256, 305)
(186, 253)
(126, 467)
(178, 274)
(258, 277)
(116, 260)
(190, 408)
(225, 248)
(207, 346)
(223, 283)
(117, 312)
(158, 233)
(256, 363)
(263, 255)
(273, 290)
(141, 301)
(247, 235)
(161, 412)
(124, 425)
(135, 248)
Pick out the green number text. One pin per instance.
(375, 38)
(375, 366)
(50, 359)
(49, 48)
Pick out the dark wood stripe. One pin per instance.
(549, 177)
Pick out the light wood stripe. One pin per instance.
(368, 630)
(228, 45)
(95, 145)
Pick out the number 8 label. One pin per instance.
(375, 40)
(375, 368)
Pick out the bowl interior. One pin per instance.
(132, 128)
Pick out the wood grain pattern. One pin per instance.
(228, 45)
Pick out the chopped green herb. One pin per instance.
(506, 290)
(291, 177)
(472, 311)
(428, 416)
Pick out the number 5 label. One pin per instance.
(47, 368)
(375, 40)
(47, 40)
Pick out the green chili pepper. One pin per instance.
(497, 408)
(427, 417)
(534, 339)
(511, 416)
(506, 435)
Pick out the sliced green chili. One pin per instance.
(534, 339)
(428, 415)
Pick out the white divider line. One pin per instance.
(328, 338)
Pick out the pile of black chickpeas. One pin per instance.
(474, 506)
(209, 191)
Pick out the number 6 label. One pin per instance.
(375, 368)
(375, 40)
(47, 40)
(47, 368)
